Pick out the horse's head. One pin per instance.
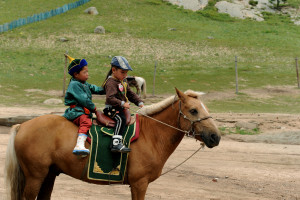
(194, 117)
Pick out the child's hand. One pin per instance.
(126, 105)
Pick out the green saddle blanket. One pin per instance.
(105, 165)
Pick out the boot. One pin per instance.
(118, 146)
(79, 148)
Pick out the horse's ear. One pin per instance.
(181, 95)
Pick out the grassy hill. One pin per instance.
(193, 50)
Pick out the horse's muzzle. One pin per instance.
(211, 139)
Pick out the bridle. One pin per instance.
(191, 131)
(187, 133)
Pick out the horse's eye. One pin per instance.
(194, 112)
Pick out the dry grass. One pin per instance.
(138, 49)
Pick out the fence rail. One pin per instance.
(41, 16)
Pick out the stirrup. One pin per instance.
(120, 148)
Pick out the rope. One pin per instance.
(137, 111)
(201, 144)
(201, 147)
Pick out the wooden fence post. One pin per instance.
(153, 92)
(236, 77)
(297, 72)
(65, 74)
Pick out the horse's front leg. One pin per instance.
(138, 189)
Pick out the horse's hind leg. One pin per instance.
(32, 187)
(34, 178)
(47, 186)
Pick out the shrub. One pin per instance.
(253, 2)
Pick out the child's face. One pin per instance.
(83, 75)
(119, 73)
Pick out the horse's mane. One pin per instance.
(157, 107)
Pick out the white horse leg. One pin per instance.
(138, 90)
(141, 84)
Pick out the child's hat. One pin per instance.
(120, 62)
(75, 64)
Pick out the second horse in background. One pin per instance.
(139, 83)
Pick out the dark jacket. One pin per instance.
(80, 95)
(118, 93)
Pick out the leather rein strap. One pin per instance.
(188, 133)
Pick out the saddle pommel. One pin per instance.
(104, 120)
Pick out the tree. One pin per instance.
(277, 2)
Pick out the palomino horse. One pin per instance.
(41, 148)
(139, 83)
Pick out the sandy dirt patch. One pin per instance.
(263, 166)
(243, 171)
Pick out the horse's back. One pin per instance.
(44, 128)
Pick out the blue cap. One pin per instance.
(76, 65)
(120, 62)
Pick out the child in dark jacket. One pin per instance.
(118, 95)
(79, 99)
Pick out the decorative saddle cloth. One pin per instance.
(105, 165)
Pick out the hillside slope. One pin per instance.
(193, 50)
(243, 9)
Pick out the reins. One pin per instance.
(201, 147)
(187, 133)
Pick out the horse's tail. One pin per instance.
(144, 90)
(14, 176)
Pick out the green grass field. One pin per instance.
(199, 54)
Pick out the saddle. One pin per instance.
(103, 165)
(103, 120)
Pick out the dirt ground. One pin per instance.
(261, 166)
